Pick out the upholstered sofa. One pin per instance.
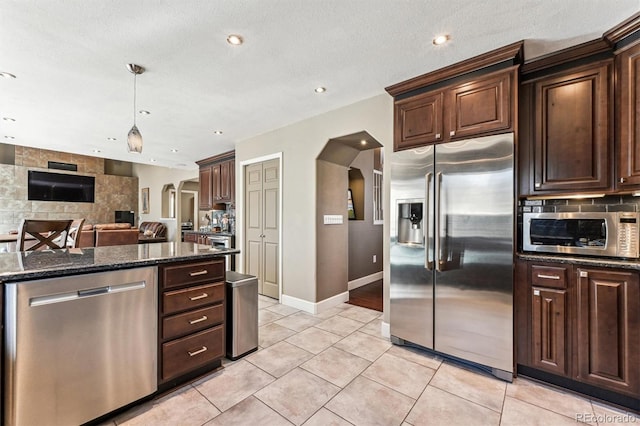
(108, 234)
(156, 230)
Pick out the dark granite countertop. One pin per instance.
(19, 266)
(583, 261)
(222, 234)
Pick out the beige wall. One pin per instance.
(15, 206)
(300, 144)
(332, 241)
(155, 178)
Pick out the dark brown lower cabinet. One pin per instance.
(549, 330)
(579, 327)
(191, 319)
(608, 329)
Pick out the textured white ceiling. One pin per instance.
(73, 90)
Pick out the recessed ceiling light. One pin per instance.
(217, 132)
(441, 39)
(7, 75)
(363, 142)
(144, 112)
(9, 119)
(153, 160)
(97, 151)
(235, 39)
(112, 139)
(174, 150)
(321, 89)
(9, 137)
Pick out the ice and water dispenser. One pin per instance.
(410, 226)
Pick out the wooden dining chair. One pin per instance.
(44, 232)
(73, 240)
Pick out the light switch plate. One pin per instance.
(332, 219)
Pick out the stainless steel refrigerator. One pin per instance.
(452, 250)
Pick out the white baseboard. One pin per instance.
(314, 308)
(359, 282)
(385, 329)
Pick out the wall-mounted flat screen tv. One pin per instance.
(46, 186)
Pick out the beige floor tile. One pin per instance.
(297, 395)
(416, 355)
(329, 312)
(251, 411)
(363, 345)
(265, 316)
(373, 328)
(340, 325)
(324, 417)
(437, 407)
(272, 333)
(263, 303)
(611, 416)
(360, 314)
(563, 403)
(365, 402)
(475, 387)
(338, 367)
(279, 358)
(281, 309)
(187, 407)
(233, 384)
(520, 413)
(298, 321)
(314, 340)
(400, 375)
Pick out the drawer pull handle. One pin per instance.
(202, 296)
(195, 274)
(549, 277)
(195, 321)
(198, 352)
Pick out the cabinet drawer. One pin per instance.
(192, 321)
(192, 273)
(183, 355)
(192, 297)
(549, 276)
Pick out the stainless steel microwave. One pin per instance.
(591, 234)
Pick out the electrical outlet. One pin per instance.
(374, 259)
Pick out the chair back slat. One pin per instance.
(44, 231)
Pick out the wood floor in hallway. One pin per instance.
(368, 296)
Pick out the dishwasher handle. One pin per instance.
(94, 291)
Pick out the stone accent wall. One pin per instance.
(112, 192)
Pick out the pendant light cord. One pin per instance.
(134, 97)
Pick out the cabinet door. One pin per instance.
(205, 202)
(418, 121)
(480, 106)
(549, 330)
(216, 190)
(572, 131)
(225, 181)
(628, 66)
(609, 329)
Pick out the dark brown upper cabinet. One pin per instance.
(472, 98)
(628, 122)
(572, 150)
(217, 180)
(418, 120)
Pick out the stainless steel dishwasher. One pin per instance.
(79, 347)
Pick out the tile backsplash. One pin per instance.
(610, 203)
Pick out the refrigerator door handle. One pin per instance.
(437, 223)
(428, 262)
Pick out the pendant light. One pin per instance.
(134, 138)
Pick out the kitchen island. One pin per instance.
(101, 328)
